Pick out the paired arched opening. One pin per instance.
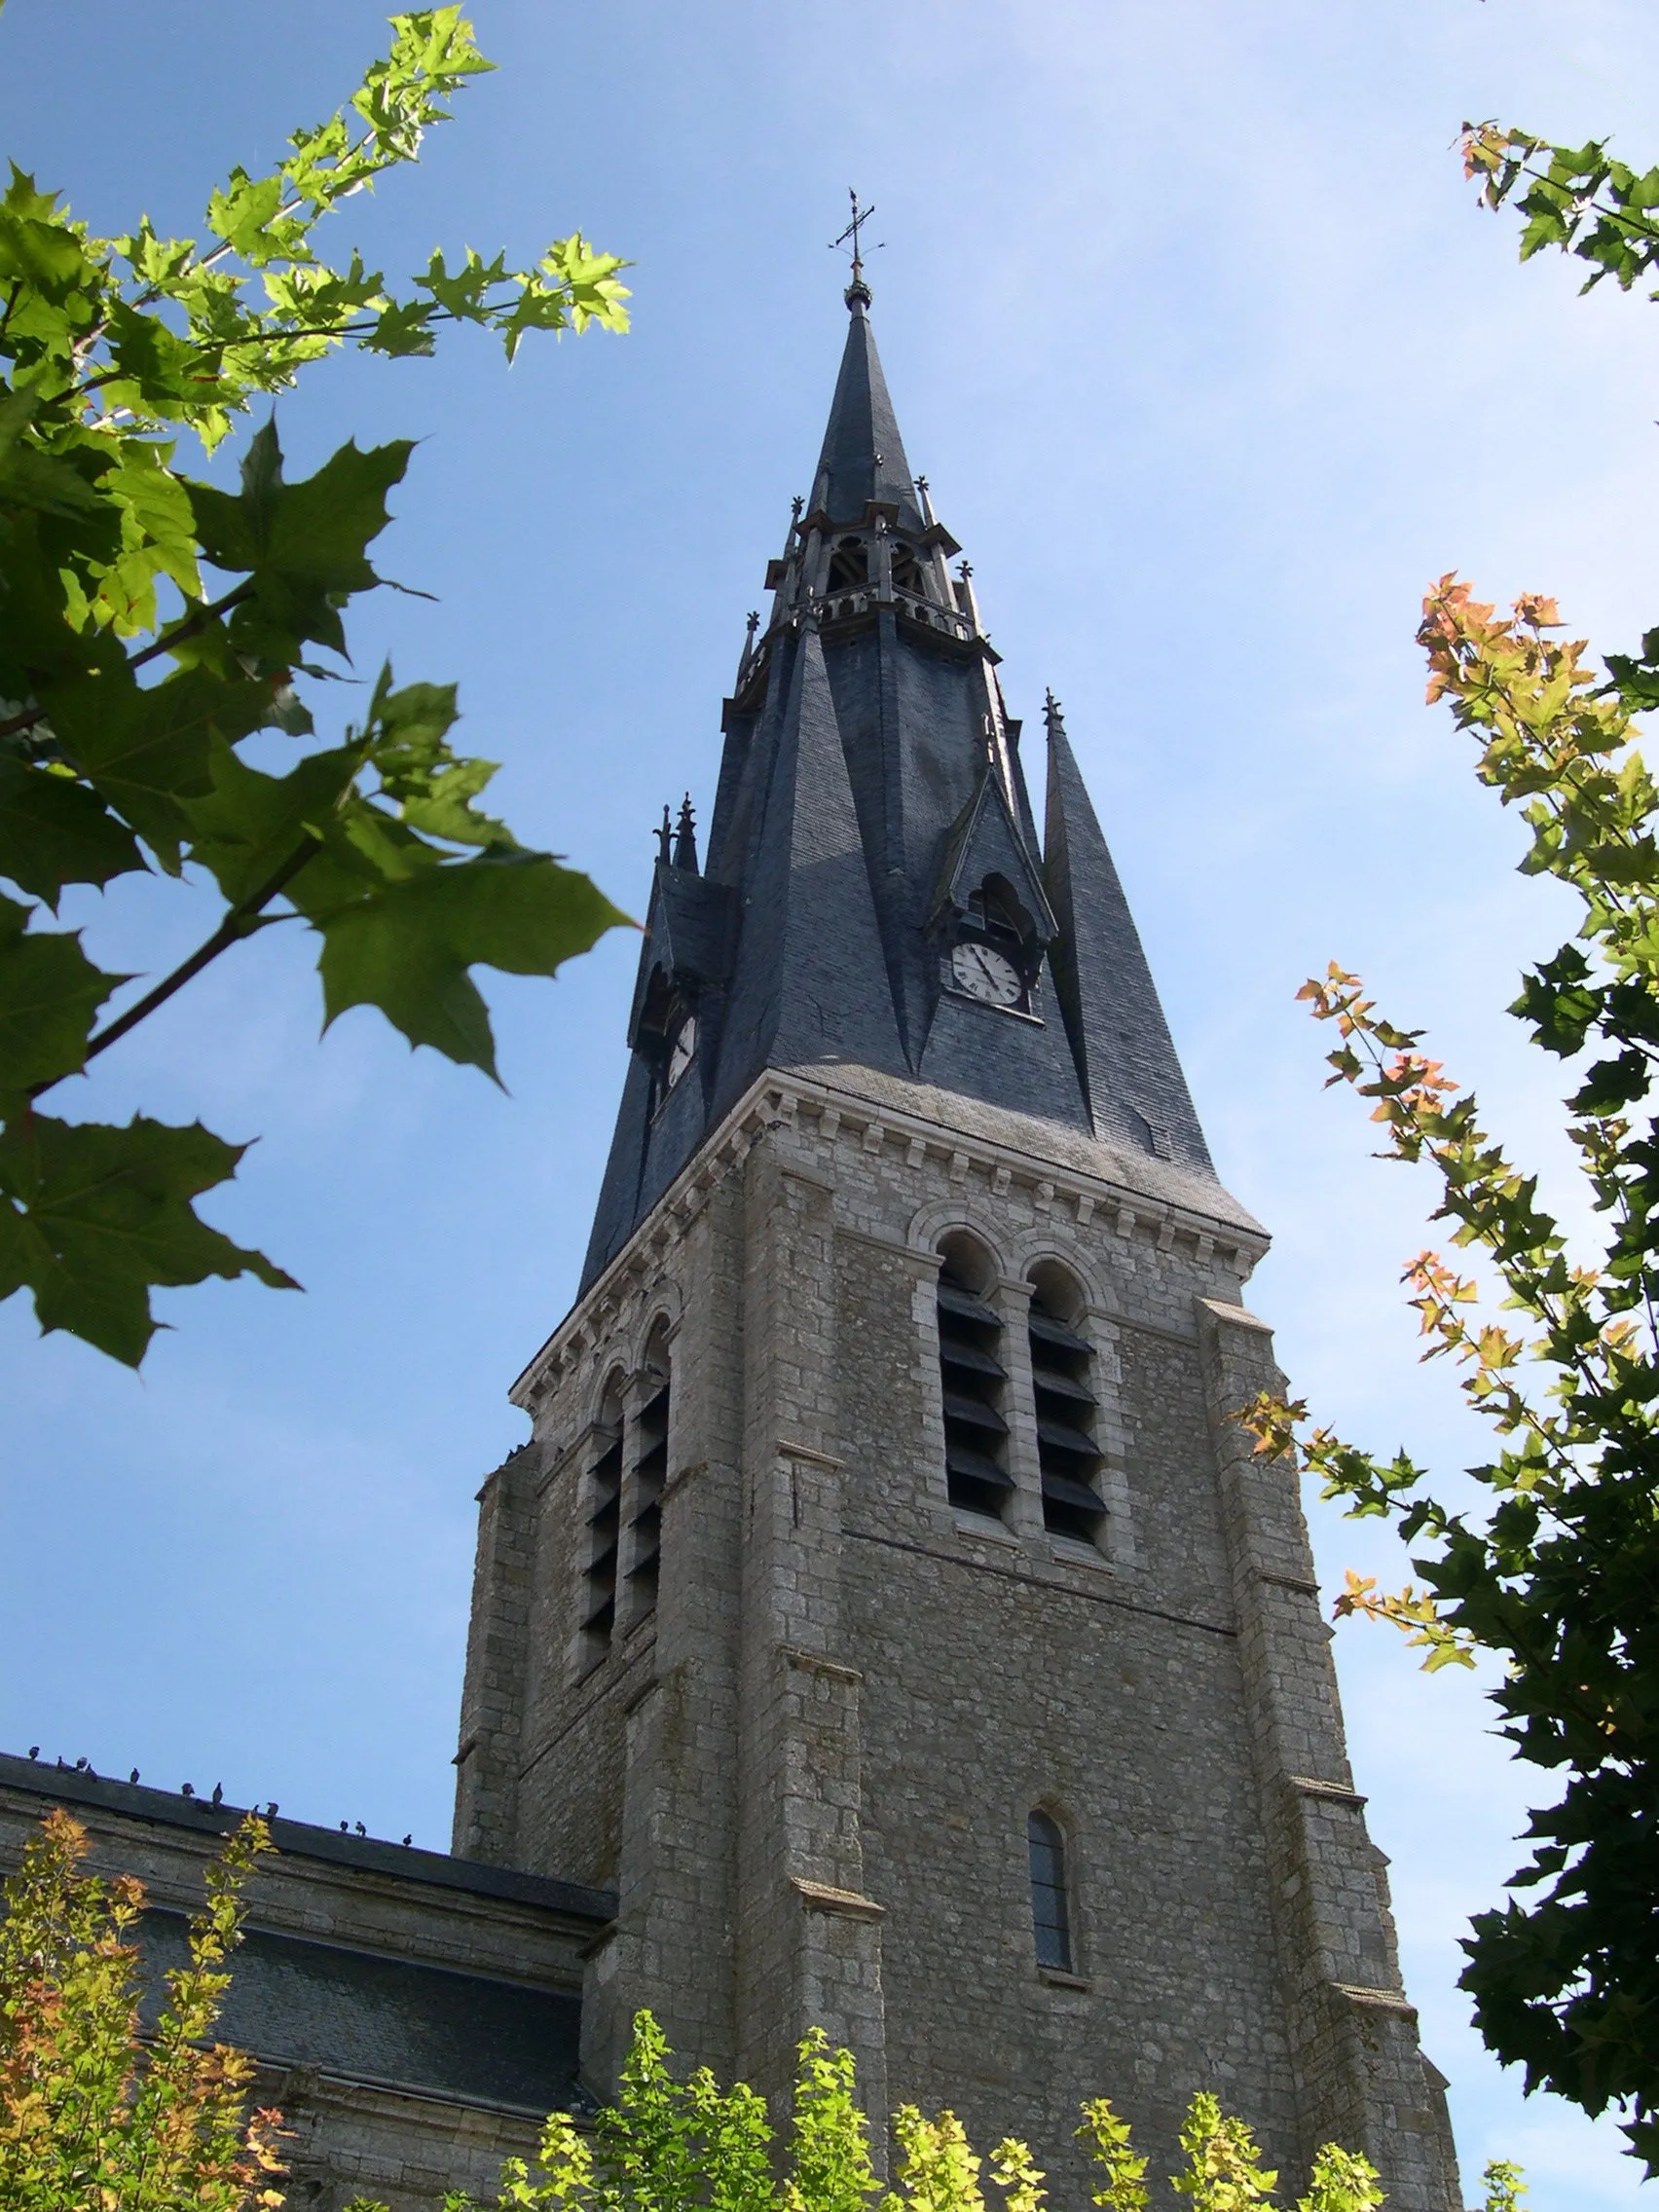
(604, 1523)
(626, 1474)
(1062, 1382)
(973, 1380)
(650, 1473)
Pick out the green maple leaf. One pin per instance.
(432, 786)
(92, 1217)
(300, 545)
(32, 478)
(403, 330)
(49, 991)
(241, 215)
(406, 947)
(249, 822)
(37, 640)
(146, 750)
(53, 831)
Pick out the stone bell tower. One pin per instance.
(886, 1605)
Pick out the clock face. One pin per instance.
(680, 1050)
(985, 974)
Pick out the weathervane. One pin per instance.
(858, 291)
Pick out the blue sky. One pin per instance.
(1212, 364)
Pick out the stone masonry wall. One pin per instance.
(814, 1763)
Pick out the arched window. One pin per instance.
(604, 1524)
(849, 564)
(1062, 1381)
(651, 1472)
(1050, 1909)
(971, 1379)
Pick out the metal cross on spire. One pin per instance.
(858, 291)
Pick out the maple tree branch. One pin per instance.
(191, 623)
(27, 718)
(238, 922)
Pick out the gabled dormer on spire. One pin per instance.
(874, 910)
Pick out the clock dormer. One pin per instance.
(992, 923)
(998, 954)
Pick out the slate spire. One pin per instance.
(863, 459)
(872, 909)
(1137, 1094)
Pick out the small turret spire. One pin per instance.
(664, 835)
(685, 837)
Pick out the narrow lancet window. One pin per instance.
(1051, 1913)
(1062, 1381)
(603, 1527)
(651, 1472)
(972, 1379)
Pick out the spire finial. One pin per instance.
(664, 834)
(1053, 714)
(858, 293)
(685, 837)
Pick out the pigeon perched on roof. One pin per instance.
(133, 1776)
(218, 1794)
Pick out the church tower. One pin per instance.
(887, 1607)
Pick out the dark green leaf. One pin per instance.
(249, 823)
(50, 993)
(55, 830)
(37, 640)
(30, 477)
(37, 252)
(431, 787)
(407, 948)
(301, 545)
(402, 329)
(92, 1217)
(146, 750)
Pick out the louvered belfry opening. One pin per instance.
(651, 1472)
(1061, 1381)
(603, 1525)
(973, 1380)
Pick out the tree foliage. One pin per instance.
(94, 2118)
(99, 2115)
(153, 624)
(1556, 1572)
(672, 2146)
